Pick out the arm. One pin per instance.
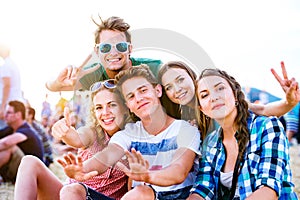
(278, 108)
(173, 174)
(264, 192)
(69, 77)
(62, 130)
(11, 140)
(75, 168)
(5, 94)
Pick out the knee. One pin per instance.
(73, 190)
(30, 162)
(139, 191)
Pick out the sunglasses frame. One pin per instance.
(106, 83)
(111, 46)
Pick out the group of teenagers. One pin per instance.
(160, 131)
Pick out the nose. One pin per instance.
(177, 88)
(138, 97)
(214, 96)
(105, 110)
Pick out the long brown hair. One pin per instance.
(175, 110)
(240, 120)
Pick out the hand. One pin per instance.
(289, 86)
(139, 167)
(73, 167)
(62, 127)
(69, 76)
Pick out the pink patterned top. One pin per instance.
(113, 182)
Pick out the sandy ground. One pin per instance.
(7, 190)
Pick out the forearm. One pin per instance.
(55, 86)
(264, 192)
(104, 159)
(195, 196)
(172, 175)
(277, 108)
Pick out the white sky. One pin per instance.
(244, 38)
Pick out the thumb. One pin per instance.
(122, 167)
(67, 116)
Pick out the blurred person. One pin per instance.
(35, 181)
(113, 47)
(248, 156)
(169, 147)
(46, 108)
(60, 105)
(24, 140)
(30, 118)
(10, 82)
(10, 154)
(292, 124)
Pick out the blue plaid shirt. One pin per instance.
(266, 161)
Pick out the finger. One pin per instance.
(284, 73)
(62, 163)
(90, 175)
(72, 158)
(122, 167)
(67, 159)
(85, 61)
(140, 158)
(67, 116)
(69, 71)
(278, 78)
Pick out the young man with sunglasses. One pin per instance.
(164, 150)
(113, 47)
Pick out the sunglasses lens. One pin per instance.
(122, 47)
(95, 86)
(105, 48)
(109, 84)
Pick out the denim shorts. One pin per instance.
(182, 193)
(93, 194)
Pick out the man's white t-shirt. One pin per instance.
(160, 149)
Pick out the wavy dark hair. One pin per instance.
(240, 120)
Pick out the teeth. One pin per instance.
(108, 120)
(113, 60)
(180, 96)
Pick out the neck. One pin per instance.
(191, 104)
(157, 123)
(17, 124)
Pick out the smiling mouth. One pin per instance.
(141, 106)
(108, 120)
(182, 95)
(113, 60)
(216, 107)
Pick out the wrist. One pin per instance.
(52, 86)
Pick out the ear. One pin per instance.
(130, 48)
(158, 90)
(96, 50)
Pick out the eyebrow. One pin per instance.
(214, 86)
(110, 102)
(177, 77)
(136, 89)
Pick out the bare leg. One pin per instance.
(36, 181)
(74, 191)
(139, 191)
